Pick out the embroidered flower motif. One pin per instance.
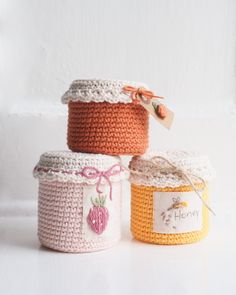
(98, 215)
(160, 110)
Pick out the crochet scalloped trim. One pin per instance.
(66, 166)
(99, 91)
(147, 175)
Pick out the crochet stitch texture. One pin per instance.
(102, 118)
(65, 166)
(142, 217)
(60, 219)
(120, 129)
(62, 196)
(148, 175)
(97, 90)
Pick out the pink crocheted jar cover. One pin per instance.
(60, 219)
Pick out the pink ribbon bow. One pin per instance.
(94, 173)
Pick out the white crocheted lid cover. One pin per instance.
(99, 91)
(65, 166)
(189, 162)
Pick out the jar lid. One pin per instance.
(66, 166)
(167, 168)
(99, 91)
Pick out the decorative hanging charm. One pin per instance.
(151, 102)
(160, 110)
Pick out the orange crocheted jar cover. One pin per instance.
(142, 217)
(105, 128)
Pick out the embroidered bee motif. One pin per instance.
(177, 204)
(167, 215)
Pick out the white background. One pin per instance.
(183, 49)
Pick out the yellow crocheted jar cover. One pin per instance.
(142, 217)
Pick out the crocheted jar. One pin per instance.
(102, 118)
(79, 201)
(169, 194)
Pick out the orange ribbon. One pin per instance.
(140, 93)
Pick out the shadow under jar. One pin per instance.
(102, 118)
(79, 203)
(165, 208)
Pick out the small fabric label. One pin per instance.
(152, 106)
(101, 215)
(176, 212)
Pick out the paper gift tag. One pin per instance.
(176, 212)
(151, 105)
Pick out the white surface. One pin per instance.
(129, 268)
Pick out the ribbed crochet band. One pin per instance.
(120, 129)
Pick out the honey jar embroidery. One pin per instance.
(169, 197)
(176, 213)
(167, 215)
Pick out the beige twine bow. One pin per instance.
(181, 173)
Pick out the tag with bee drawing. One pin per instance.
(176, 212)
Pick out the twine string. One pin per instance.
(188, 176)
